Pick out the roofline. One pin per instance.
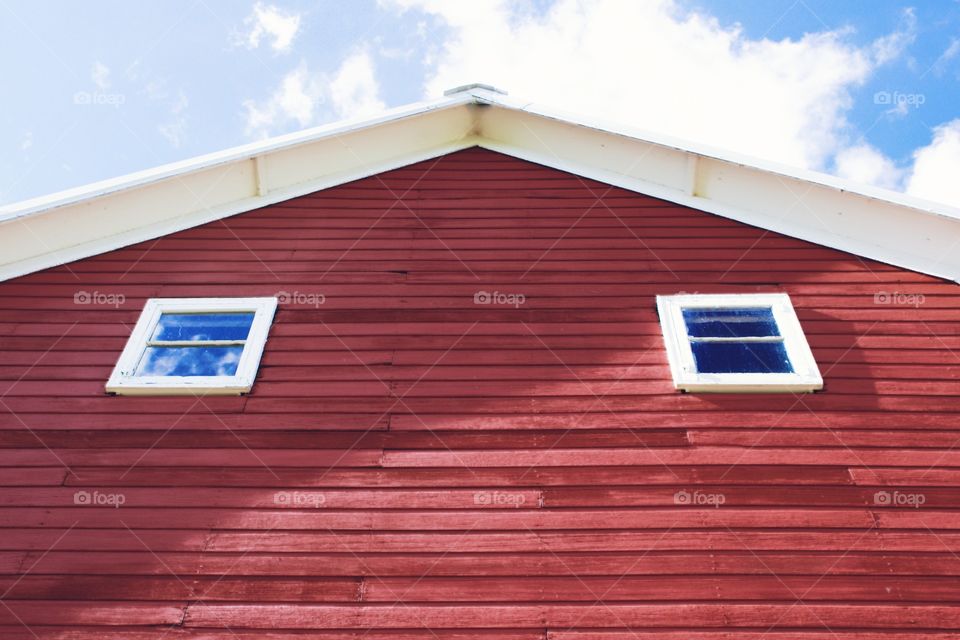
(476, 93)
(726, 155)
(106, 215)
(197, 163)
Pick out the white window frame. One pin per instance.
(805, 377)
(123, 381)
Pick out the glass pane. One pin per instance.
(730, 323)
(203, 326)
(741, 357)
(190, 361)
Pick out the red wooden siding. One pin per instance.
(484, 471)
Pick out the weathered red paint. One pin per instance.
(501, 470)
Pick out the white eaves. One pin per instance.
(874, 223)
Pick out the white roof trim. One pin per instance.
(870, 222)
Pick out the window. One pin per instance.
(736, 343)
(194, 346)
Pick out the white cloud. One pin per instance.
(175, 129)
(351, 91)
(100, 74)
(948, 54)
(656, 67)
(268, 21)
(296, 99)
(27, 141)
(867, 165)
(890, 47)
(354, 91)
(935, 166)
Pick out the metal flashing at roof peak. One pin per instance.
(467, 88)
(873, 223)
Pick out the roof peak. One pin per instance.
(469, 88)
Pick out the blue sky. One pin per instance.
(867, 90)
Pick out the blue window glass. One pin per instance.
(203, 326)
(730, 323)
(190, 361)
(741, 357)
(165, 357)
(736, 340)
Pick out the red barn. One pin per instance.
(476, 369)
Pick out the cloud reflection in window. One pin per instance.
(190, 361)
(203, 326)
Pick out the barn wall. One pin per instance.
(524, 455)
